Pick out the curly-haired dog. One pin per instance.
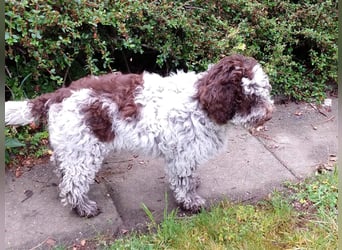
(182, 118)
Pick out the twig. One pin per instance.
(248, 199)
(40, 244)
(126, 62)
(319, 123)
(189, 7)
(313, 127)
(264, 136)
(28, 194)
(108, 162)
(8, 72)
(10, 90)
(149, 47)
(65, 75)
(318, 110)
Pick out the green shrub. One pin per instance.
(50, 43)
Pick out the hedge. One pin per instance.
(51, 43)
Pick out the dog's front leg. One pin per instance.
(184, 189)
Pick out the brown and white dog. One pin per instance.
(182, 118)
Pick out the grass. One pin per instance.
(302, 217)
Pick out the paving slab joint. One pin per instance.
(298, 178)
(111, 191)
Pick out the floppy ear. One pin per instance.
(220, 91)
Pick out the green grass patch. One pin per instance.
(302, 217)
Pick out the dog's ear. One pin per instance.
(220, 91)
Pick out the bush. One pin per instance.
(50, 43)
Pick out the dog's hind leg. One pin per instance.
(77, 170)
(77, 152)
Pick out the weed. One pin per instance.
(25, 142)
(11, 143)
(320, 193)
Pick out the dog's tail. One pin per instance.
(18, 113)
(25, 112)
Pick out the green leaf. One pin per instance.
(13, 143)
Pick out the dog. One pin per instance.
(182, 118)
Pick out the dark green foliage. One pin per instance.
(50, 43)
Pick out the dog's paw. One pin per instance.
(193, 204)
(88, 210)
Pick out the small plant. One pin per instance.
(11, 143)
(25, 142)
(320, 194)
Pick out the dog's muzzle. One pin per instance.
(269, 111)
(259, 124)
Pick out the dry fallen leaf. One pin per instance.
(260, 128)
(44, 141)
(333, 157)
(83, 242)
(50, 242)
(327, 104)
(18, 172)
(27, 162)
(324, 167)
(33, 125)
(28, 193)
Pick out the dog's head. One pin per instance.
(236, 89)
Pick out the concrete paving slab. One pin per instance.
(245, 171)
(135, 181)
(32, 220)
(301, 138)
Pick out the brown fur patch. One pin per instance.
(41, 104)
(220, 92)
(116, 86)
(98, 119)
